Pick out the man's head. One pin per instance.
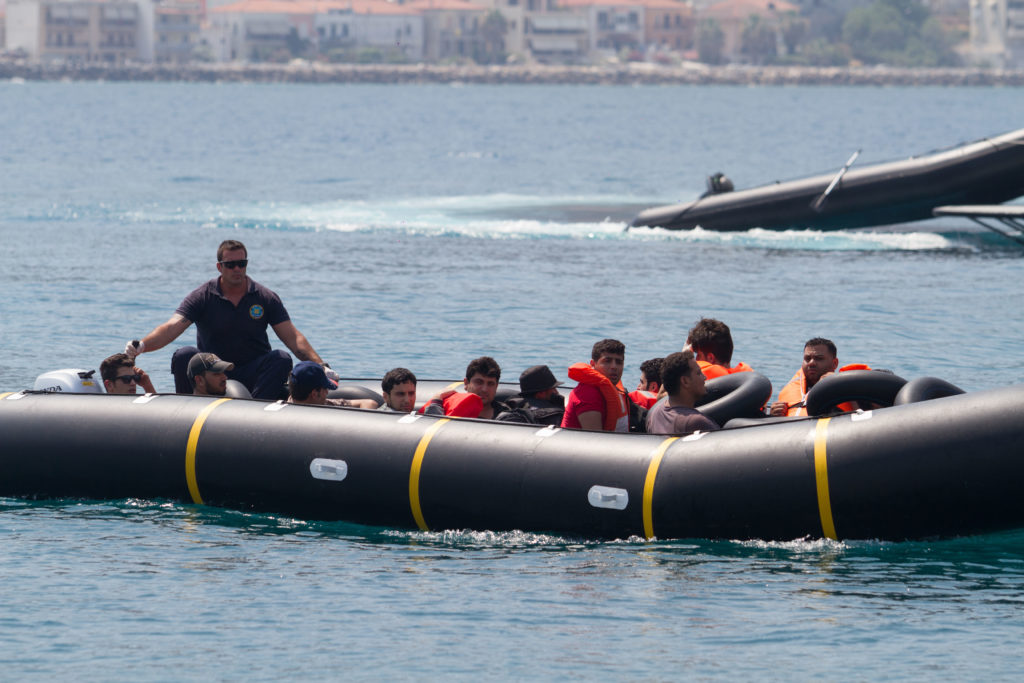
(820, 358)
(482, 375)
(538, 382)
(232, 260)
(607, 357)
(682, 377)
(711, 341)
(399, 390)
(118, 373)
(650, 375)
(207, 374)
(308, 383)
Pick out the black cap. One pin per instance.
(207, 362)
(537, 378)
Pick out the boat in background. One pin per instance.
(989, 171)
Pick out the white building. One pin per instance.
(371, 24)
(997, 33)
(82, 30)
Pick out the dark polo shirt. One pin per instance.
(237, 334)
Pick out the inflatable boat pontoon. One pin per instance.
(931, 468)
(990, 171)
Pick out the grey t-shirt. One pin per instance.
(666, 419)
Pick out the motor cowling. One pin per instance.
(69, 380)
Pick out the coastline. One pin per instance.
(623, 74)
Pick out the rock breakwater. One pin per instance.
(626, 74)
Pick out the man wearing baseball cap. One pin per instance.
(208, 375)
(308, 384)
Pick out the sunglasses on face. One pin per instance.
(128, 379)
(240, 263)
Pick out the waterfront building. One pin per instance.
(82, 30)
(732, 16)
(259, 30)
(997, 33)
(176, 31)
(669, 25)
(613, 26)
(386, 27)
(560, 36)
(451, 28)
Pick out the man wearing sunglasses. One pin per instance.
(232, 313)
(120, 376)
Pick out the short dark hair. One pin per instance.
(607, 346)
(396, 376)
(230, 245)
(711, 336)
(299, 392)
(651, 369)
(674, 367)
(110, 365)
(484, 365)
(821, 341)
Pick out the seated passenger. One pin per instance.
(481, 381)
(820, 360)
(684, 385)
(121, 376)
(599, 402)
(646, 393)
(308, 385)
(399, 390)
(208, 374)
(538, 400)
(711, 343)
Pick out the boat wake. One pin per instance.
(517, 217)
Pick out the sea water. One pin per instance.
(423, 226)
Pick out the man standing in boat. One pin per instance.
(684, 383)
(232, 313)
(711, 343)
(599, 402)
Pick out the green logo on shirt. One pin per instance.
(255, 311)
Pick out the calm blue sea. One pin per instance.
(426, 225)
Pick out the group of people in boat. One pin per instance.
(232, 313)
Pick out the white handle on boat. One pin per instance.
(820, 201)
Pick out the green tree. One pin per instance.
(757, 42)
(794, 29)
(897, 32)
(710, 42)
(492, 39)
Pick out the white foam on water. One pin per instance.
(481, 216)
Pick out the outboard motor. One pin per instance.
(69, 380)
(718, 183)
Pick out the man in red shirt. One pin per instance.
(599, 403)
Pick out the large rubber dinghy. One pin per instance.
(931, 468)
(989, 171)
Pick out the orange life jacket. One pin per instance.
(712, 371)
(460, 404)
(643, 398)
(616, 403)
(794, 394)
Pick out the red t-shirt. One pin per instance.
(582, 399)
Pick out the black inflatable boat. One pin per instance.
(989, 171)
(926, 468)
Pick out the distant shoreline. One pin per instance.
(627, 74)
